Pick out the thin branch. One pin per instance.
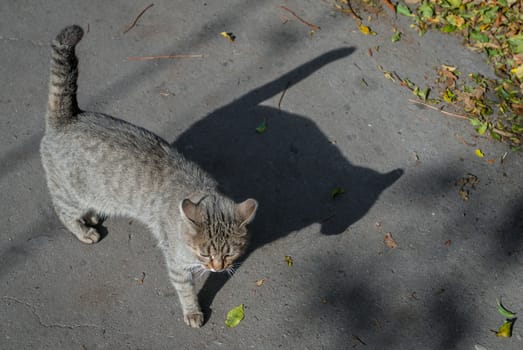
(148, 58)
(312, 26)
(503, 133)
(137, 18)
(450, 114)
(351, 10)
(283, 94)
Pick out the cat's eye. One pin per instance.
(204, 255)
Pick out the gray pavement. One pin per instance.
(397, 162)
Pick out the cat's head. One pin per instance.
(216, 229)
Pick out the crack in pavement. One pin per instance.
(33, 311)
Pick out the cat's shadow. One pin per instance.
(291, 168)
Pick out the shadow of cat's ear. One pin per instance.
(392, 176)
(247, 211)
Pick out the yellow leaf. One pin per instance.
(449, 68)
(518, 72)
(505, 331)
(288, 260)
(366, 30)
(260, 282)
(479, 153)
(230, 36)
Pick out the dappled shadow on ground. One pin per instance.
(356, 313)
(290, 168)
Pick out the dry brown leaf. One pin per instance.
(260, 282)
(389, 241)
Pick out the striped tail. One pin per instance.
(62, 105)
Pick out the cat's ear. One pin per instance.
(190, 212)
(247, 211)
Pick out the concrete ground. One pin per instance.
(398, 163)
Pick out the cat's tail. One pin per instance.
(62, 105)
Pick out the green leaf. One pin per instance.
(495, 136)
(479, 37)
(423, 94)
(396, 37)
(337, 191)
(454, 3)
(475, 122)
(403, 9)
(516, 44)
(504, 311)
(262, 127)
(234, 316)
(483, 128)
(426, 10)
(449, 96)
(448, 28)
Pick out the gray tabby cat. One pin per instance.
(97, 165)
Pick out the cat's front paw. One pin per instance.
(90, 236)
(194, 319)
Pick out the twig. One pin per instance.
(463, 141)
(312, 26)
(137, 18)
(450, 114)
(351, 10)
(148, 58)
(503, 133)
(283, 94)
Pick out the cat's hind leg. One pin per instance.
(75, 219)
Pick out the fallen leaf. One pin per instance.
(140, 280)
(403, 10)
(505, 331)
(289, 260)
(262, 127)
(479, 153)
(260, 282)
(337, 191)
(366, 30)
(448, 242)
(389, 241)
(396, 37)
(491, 161)
(504, 311)
(234, 316)
(230, 36)
(518, 72)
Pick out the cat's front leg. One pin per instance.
(182, 281)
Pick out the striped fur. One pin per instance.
(62, 105)
(98, 166)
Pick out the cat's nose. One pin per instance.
(216, 265)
